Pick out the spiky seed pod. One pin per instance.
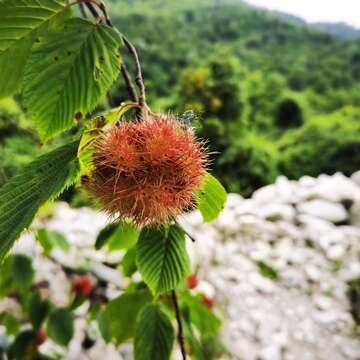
(147, 170)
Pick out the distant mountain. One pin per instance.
(338, 29)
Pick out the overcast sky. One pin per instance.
(317, 10)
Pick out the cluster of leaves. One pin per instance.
(38, 317)
(159, 255)
(143, 313)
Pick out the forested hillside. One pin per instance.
(271, 96)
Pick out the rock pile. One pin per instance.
(278, 265)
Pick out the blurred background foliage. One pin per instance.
(270, 97)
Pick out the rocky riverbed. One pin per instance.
(278, 265)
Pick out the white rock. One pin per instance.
(336, 252)
(326, 317)
(247, 207)
(323, 302)
(275, 212)
(266, 194)
(307, 181)
(323, 209)
(226, 222)
(334, 188)
(355, 177)
(271, 352)
(205, 288)
(286, 190)
(233, 201)
(312, 272)
(261, 283)
(355, 214)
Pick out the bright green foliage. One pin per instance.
(162, 258)
(117, 236)
(125, 236)
(104, 235)
(11, 323)
(267, 270)
(210, 198)
(67, 73)
(51, 239)
(248, 163)
(128, 262)
(36, 183)
(37, 309)
(154, 334)
(103, 325)
(121, 314)
(22, 272)
(200, 315)
(60, 326)
(22, 347)
(20, 22)
(325, 144)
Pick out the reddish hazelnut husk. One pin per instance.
(148, 170)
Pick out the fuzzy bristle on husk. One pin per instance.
(147, 170)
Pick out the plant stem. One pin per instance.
(139, 78)
(130, 87)
(180, 328)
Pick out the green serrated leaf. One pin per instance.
(37, 310)
(22, 272)
(162, 258)
(200, 315)
(121, 314)
(128, 262)
(154, 334)
(60, 326)
(124, 237)
(194, 343)
(11, 323)
(44, 240)
(104, 235)
(43, 179)
(210, 198)
(103, 325)
(51, 239)
(22, 348)
(20, 22)
(68, 72)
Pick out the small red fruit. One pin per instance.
(210, 303)
(40, 337)
(82, 285)
(192, 281)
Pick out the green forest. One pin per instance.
(270, 97)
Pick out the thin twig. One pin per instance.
(180, 328)
(130, 87)
(190, 236)
(139, 78)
